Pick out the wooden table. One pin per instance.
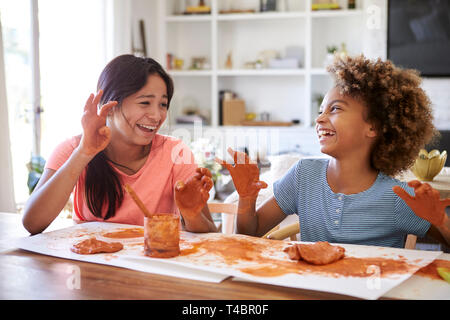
(28, 275)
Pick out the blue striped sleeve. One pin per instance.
(286, 190)
(406, 220)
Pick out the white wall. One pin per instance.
(438, 89)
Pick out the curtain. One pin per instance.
(7, 202)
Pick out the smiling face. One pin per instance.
(341, 126)
(141, 114)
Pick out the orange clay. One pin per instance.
(92, 245)
(319, 253)
(125, 233)
(430, 271)
(426, 203)
(235, 250)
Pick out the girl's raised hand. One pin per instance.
(191, 197)
(245, 174)
(426, 203)
(96, 135)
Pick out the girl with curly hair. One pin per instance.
(372, 124)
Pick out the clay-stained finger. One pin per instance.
(205, 172)
(261, 184)
(223, 163)
(402, 193)
(98, 97)
(414, 184)
(204, 194)
(88, 104)
(207, 183)
(180, 185)
(104, 131)
(423, 191)
(106, 108)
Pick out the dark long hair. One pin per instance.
(123, 76)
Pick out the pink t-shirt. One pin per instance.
(169, 160)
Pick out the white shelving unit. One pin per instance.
(287, 94)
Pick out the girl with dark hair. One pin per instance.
(120, 145)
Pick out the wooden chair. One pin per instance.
(278, 233)
(291, 231)
(226, 208)
(410, 242)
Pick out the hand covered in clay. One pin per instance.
(426, 203)
(245, 174)
(191, 197)
(96, 135)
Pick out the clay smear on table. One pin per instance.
(92, 245)
(261, 253)
(125, 233)
(430, 271)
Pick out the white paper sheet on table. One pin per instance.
(210, 268)
(422, 288)
(57, 243)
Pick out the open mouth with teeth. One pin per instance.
(325, 133)
(146, 128)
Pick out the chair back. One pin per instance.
(227, 213)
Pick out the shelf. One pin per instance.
(189, 18)
(190, 73)
(247, 35)
(242, 72)
(336, 13)
(261, 72)
(294, 127)
(264, 15)
(260, 16)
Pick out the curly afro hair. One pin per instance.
(397, 107)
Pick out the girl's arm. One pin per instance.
(52, 193)
(245, 174)
(54, 188)
(203, 223)
(258, 222)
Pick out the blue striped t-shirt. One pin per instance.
(376, 216)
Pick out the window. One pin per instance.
(72, 50)
(72, 55)
(17, 55)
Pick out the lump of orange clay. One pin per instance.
(92, 245)
(319, 253)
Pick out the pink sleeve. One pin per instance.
(184, 163)
(61, 153)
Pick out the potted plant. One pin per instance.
(331, 51)
(35, 170)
